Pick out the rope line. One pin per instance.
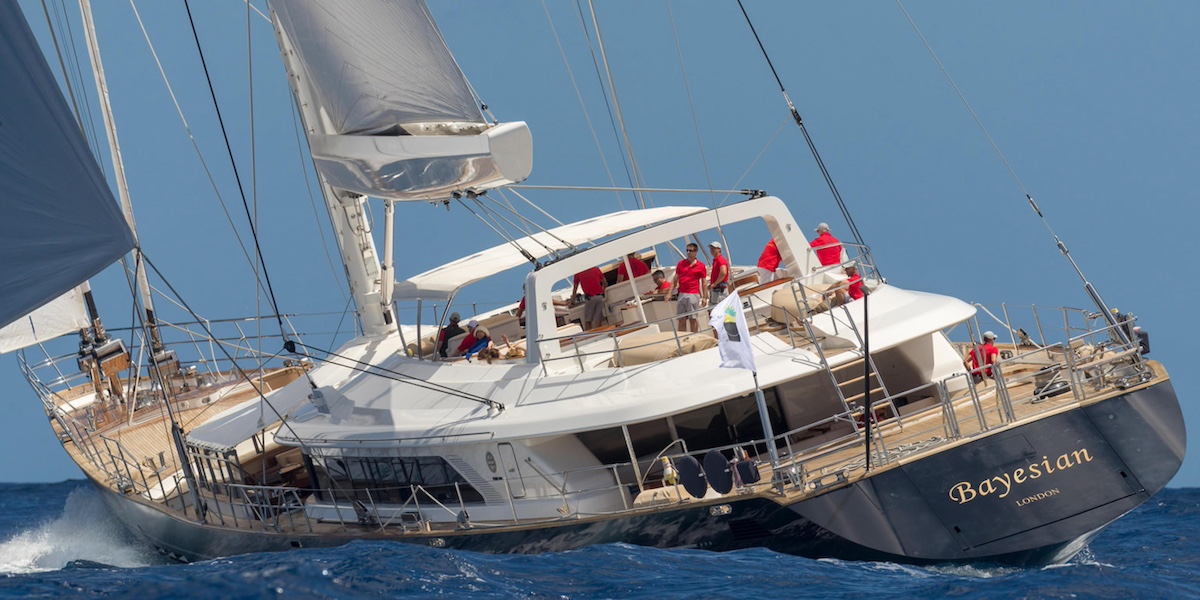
(236, 175)
(386, 373)
(837, 196)
(583, 105)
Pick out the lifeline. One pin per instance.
(963, 492)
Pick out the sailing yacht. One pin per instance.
(847, 428)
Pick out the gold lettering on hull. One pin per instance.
(1001, 485)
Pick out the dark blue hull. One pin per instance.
(1030, 495)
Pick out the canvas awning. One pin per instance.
(441, 283)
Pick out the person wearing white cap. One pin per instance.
(827, 248)
(982, 357)
(477, 339)
(718, 281)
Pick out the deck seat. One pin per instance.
(787, 307)
(642, 349)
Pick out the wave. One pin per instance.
(85, 533)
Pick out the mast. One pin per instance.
(388, 114)
(347, 211)
(160, 359)
(114, 145)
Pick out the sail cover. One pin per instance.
(389, 113)
(376, 65)
(59, 223)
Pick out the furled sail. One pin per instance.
(59, 223)
(395, 117)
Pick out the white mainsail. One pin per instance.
(60, 224)
(395, 117)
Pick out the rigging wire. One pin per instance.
(73, 78)
(612, 89)
(579, 95)
(530, 203)
(754, 162)
(397, 376)
(524, 224)
(503, 235)
(587, 188)
(236, 175)
(191, 136)
(629, 176)
(254, 198)
(229, 357)
(807, 138)
(312, 201)
(498, 214)
(1062, 247)
(63, 67)
(699, 139)
(963, 99)
(692, 106)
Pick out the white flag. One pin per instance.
(733, 337)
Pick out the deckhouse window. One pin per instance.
(734, 421)
(392, 479)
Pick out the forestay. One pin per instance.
(60, 224)
(443, 282)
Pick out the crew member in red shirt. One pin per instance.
(827, 247)
(854, 283)
(768, 262)
(984, 354)
(689, 274)
(662, 287)
(638, 265)
(718, 282)
(592, 282)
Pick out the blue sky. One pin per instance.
(1093, 104)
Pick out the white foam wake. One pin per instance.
(86, 530)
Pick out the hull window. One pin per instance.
(392, 480)
(608, 445)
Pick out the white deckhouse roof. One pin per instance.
(443, 282)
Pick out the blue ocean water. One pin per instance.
(57, 540)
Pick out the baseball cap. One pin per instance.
(474, 323)
(822, 227)
(987, 335)
(716, 245)
(454, 317)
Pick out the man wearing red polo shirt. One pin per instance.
(854, 282)
(718, 283)
(592, 282)
(827, 247)
(639, 267)
(768, 263)
(689, 277)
